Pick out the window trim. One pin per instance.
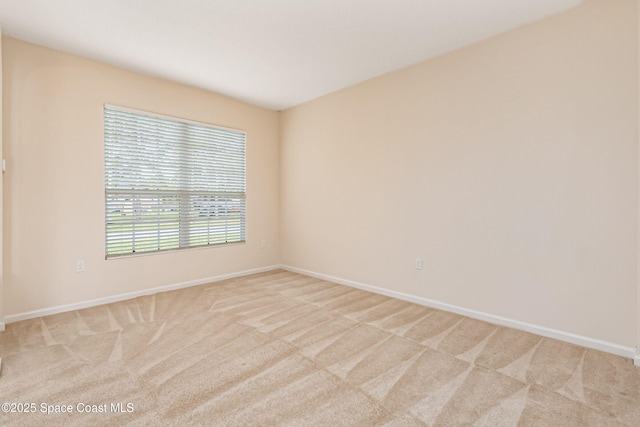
(131, 191)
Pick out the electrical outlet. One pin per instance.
(263, 244)
(418, 263)
(79, 266)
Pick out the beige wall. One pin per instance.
(54, 188)
(510, 167)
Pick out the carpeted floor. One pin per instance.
(279, 348)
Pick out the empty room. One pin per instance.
(311, 213)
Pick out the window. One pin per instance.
(171, 183)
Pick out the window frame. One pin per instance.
(232, 202)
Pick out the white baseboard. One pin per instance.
(121, 297)
(620, 350)
(628, 352)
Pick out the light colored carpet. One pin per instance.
(279, 348)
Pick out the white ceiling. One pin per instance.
(272, 53)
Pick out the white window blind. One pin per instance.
(170, 183)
